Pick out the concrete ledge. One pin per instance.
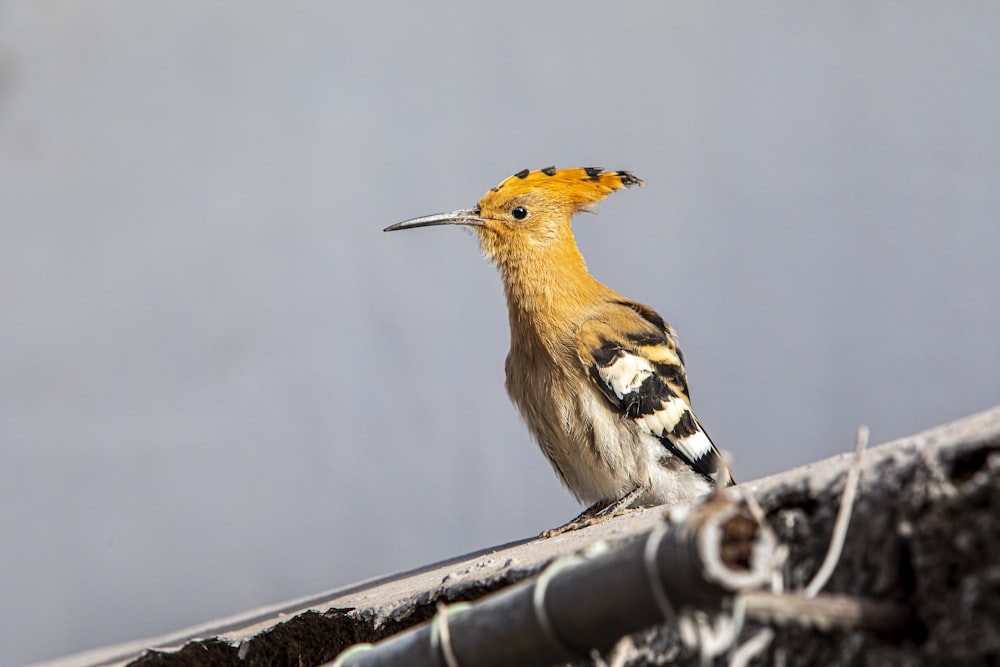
(925, 531)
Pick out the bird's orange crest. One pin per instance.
(576, 187)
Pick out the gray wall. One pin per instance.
(222, 386)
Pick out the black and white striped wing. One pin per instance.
(632, 356)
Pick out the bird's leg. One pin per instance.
(622, 503)
(597, 513)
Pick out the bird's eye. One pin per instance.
(519, 213)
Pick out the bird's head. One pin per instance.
(530, 212)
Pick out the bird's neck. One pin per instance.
(548, 290)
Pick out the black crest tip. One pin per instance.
(628, 179)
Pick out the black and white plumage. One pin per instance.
(632, 356)
(608, 402)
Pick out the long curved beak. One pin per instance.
(468, 217)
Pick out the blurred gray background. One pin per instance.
(222, 386)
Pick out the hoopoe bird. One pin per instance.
(598, 378)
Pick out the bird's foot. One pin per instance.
(584, 519)
(597, 513)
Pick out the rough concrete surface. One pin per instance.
(924, 532)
